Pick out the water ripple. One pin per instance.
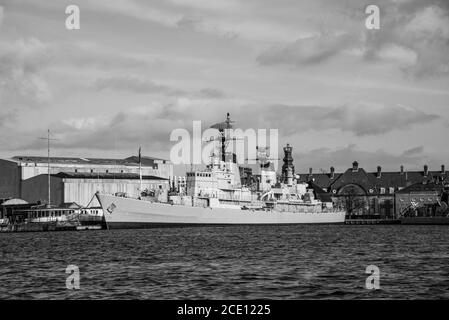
(239, 262)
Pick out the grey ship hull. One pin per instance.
(127, 213)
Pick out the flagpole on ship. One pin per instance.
(140, 171)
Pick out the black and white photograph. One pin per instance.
(237, 153)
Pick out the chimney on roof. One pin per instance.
(310, 171)
(355, 166)
(443, 169)
(426, 170)
(379, 171)
(332, 172)
(402, 169)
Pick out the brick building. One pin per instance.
(421, 200)
(374, 194)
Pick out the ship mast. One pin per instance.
(48, 165)
(222, 127)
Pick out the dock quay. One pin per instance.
(372, 221)
(49, 226)
(33, 227)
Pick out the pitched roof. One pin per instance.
(422, 187)
(13, 202)
(324, 180)
(130, 161)
(144, 159)
(70, 205)
(372, 181)
(359, 177)
(320, 194)
(102, 175)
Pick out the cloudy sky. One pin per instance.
(136, 70)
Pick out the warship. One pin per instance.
(216, 196)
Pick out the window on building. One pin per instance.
(391, 191)
(382, 190)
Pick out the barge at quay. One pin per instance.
(49, 218)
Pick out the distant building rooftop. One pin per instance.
(319, 192)
(70, 205)
(102, 175)
(13, 202)
(374, 182)
(130, 161)
(422, 187)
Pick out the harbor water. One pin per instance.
(235, 262)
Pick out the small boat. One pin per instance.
(50, 218)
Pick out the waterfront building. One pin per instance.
(374, 194)
(7, 206)
(421, 200)
(77, 179)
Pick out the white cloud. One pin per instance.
(135, 10)
(220, 6)
(413, 36)
(431, 20)
(157, 121)
(359, 118)
(310, 50)
(134, 83)
(91, 123)
(398, 54)
(22, 83)
(2, 14)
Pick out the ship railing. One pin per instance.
(47, 219)
(314, 210)
(296, 211)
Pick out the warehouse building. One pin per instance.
(77, 179)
